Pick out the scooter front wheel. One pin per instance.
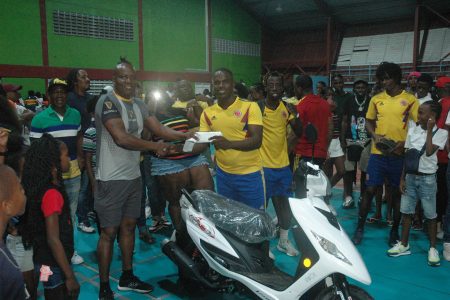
(356, 293)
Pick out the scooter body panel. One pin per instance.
(314, 223)
(310, 220)
(201, 228)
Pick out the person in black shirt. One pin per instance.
(78, 97)
(357, 138)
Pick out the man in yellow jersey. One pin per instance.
(274, 153)
(387, 117)
(239, 166)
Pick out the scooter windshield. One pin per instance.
(248, 224)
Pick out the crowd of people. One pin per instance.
(97, 162)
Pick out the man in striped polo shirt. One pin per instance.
(64, 123)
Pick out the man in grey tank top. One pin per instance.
(120, 120)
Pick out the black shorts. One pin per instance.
(116, 199)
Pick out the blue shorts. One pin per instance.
(381, 167)
(54, 280)
(278, 182)
(422, 187)
(247, 189)
(161, 166)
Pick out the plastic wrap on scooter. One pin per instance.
(246, 223)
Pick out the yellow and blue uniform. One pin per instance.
(239, 173)
(274, 152)
(391, 115)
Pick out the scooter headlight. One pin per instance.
(331, 248)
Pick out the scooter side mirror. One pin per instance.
(311, 133)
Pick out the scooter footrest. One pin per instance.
(275, 279)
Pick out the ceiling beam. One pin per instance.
(323, 7)
(247, 8)
(299, 16)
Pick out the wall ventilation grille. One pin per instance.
(76, 24)
(236, 47)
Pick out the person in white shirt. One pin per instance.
(424, 84)
(427, 138)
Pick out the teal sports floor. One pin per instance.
(407, 277)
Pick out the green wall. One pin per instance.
(174, 37)
(35, 84)
(74, 51)
(230, 22)
(20, 36)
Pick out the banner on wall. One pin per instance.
(201, 86)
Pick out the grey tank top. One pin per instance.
(113, 161)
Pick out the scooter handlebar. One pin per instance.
(308, 168)
(189, 198)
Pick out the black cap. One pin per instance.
(57, 82)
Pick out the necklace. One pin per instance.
(360, 104)
(7, 257)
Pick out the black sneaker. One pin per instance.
(134, 284)
(357, 236)
(393, 238)
(106, 295)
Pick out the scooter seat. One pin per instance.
(246, 223)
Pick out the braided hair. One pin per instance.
(40, 160)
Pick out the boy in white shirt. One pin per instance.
(422, 185)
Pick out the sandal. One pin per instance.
(390, 223)
(417, 225)
(372, 220)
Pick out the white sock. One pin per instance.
(283, 236)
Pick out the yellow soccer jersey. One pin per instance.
(392, 114)
(233, 123)
(274, 145)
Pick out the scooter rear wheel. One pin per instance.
(357, 293)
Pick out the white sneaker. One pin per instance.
(76, 259)
(433, 257)
(348, 202)
(271, 255)
(87, 229)
(333, 211)
(287, 248)
(398, 250)
(446, 252)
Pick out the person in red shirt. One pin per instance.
(315, 110)
(443, 92)
(47, 222)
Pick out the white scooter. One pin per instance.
(231, 246)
